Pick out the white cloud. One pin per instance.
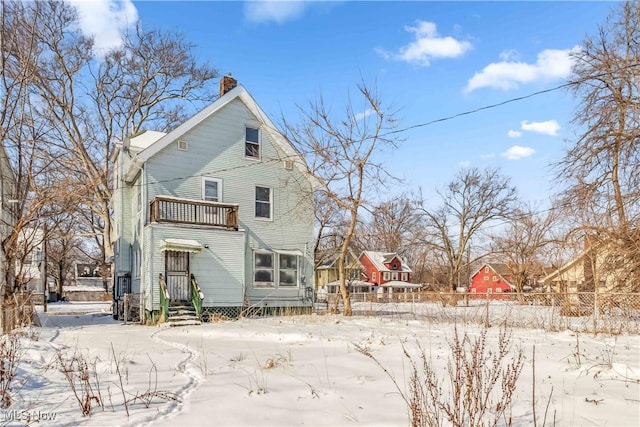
(428, 45)
(104, 20)
(510, 73)
(276, 11)
(464, 164)
(514, 134)
(518, 152)
(366, 113)
(550, 127)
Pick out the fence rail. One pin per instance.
(583, 311)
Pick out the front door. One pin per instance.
(177, 266)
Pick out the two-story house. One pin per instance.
(491, 278)
(387, 270)
(216, 214)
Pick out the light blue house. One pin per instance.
(214, 216)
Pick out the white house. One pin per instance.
(215, 215)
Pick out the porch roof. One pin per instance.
(399, 284)
(180, 245)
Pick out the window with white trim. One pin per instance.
(211, 189)
(264, 196)
(385, 275)
(405, 277)
(373, 276)
(486, 278)
(394, 275)
(288, 270)
(252, 142)
(275, 269)
(263, 269)
(495, 278)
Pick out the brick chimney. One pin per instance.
(227, 83)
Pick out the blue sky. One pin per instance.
(429, 60)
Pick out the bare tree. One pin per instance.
(601, 165)
(522, 241)
(392, 226)
(340, 153)
(470, 201)
(88, 103)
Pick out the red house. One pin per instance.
(491, 278)
(386, 270)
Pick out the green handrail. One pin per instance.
(196, 296)
(164, 298)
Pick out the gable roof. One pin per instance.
(500, 269)
(330, 258)
(378, 259)
(240, 93)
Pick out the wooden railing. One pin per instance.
(196, 296)
(164, 298)
(199, 212)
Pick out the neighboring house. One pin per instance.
(387, 270)
(491, 279)
(592, 269)
(89, 275)
(327, 271)
(7, 212)
(223, 199)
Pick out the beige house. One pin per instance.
(327, 271)
(593, 269)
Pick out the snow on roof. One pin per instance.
(380, 258)
(146, 138)
(399, 284)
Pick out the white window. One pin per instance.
(263, 202)
(486, 269)
(486, 278)
(263, 267)
(211, 189)
(288, 270)
(373, 276)
(405, 277)
(495, 278)
(275, 269)
(498, 290)
(252, 142)
(386, 275)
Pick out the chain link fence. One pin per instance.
(594, 312)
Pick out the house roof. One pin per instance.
(398, 284)
(329, 258)
(500, 269)
(240, 93)
(378, 259)
(578, 258)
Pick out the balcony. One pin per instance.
(197, 212)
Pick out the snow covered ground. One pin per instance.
(301, 370)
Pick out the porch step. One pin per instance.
(182, 315)
(174, 323)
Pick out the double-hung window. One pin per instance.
(252, 142)
(275, 269)
(263, 269)
(211, 189)
(288, 266)
(264, 197)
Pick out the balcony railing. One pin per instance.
(199, 212)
